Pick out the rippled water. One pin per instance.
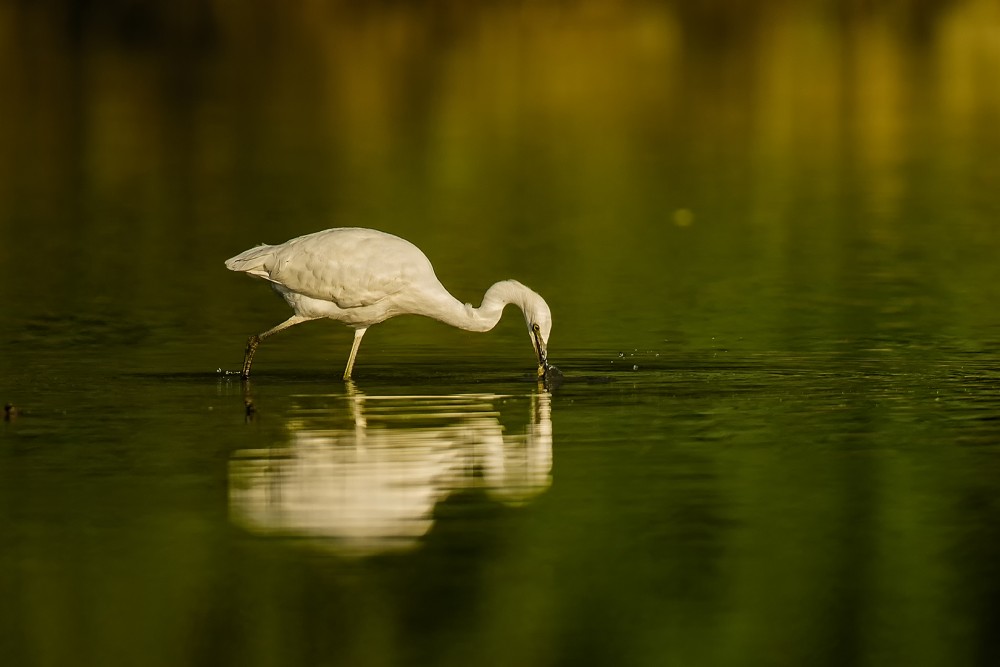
(770, 248)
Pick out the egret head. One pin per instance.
(538, 317)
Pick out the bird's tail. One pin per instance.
(253, 261)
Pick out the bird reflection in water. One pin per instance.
(365, 477)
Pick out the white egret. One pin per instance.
(362, 277)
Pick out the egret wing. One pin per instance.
(350, 267)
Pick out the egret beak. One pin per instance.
(540, 352)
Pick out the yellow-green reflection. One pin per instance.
(365, 475)
(791, 207)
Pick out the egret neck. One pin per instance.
(465, 316)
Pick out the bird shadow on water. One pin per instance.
(360, 473)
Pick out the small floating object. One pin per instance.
(552, 376)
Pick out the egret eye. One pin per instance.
(535, 327)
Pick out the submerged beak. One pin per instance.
(540, 352)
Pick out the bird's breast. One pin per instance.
(356, 316)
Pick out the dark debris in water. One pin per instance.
(555, 378)
(552, 377)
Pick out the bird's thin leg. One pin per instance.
(255, 340)
(358, 333)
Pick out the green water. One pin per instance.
(769, 237)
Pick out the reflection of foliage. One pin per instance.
(808, 154)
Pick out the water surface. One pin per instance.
(768, 236)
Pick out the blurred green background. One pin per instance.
(822, 152)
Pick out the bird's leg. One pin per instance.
(252, 344)
(358, 333)
(256, 339)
